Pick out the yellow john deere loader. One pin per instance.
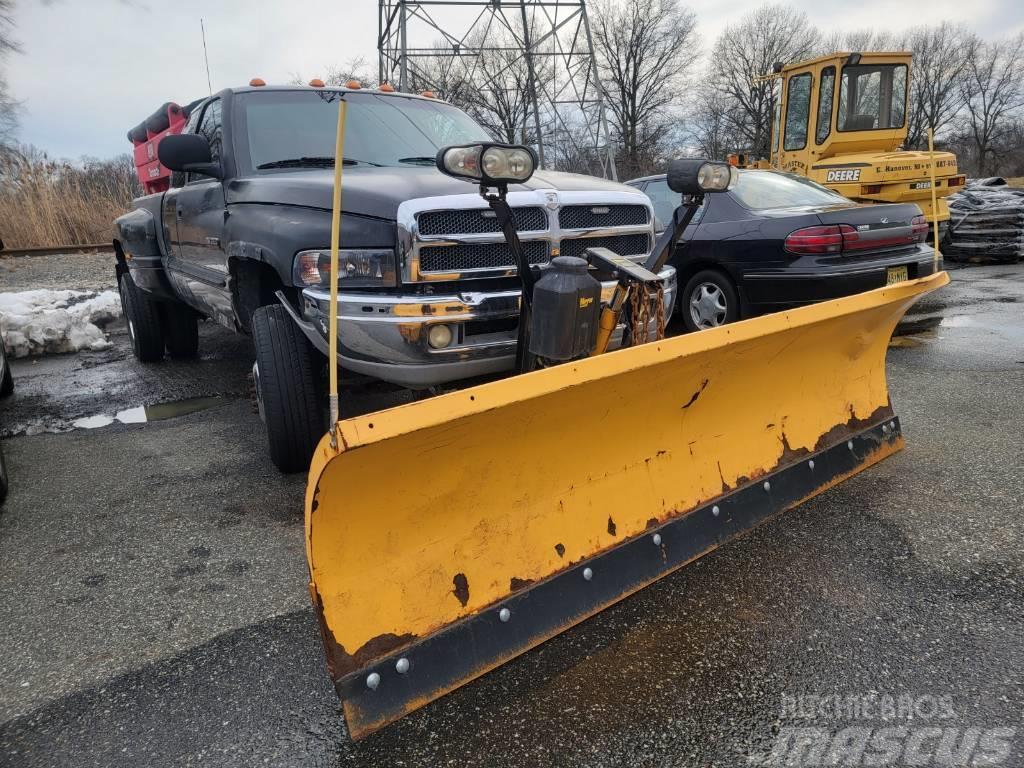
(447, 536)
(841, 120)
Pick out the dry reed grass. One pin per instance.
(49, 203)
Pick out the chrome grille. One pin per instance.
(478, 221)
(624, 245)
(600, 216)
(467, 256)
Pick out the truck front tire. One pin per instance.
(142, 315)
(286, 388)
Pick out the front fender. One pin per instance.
(273, 234)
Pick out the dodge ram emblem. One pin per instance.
(552, 200)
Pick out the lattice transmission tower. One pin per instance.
(528, 60)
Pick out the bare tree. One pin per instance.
(9, 107)
(444, 74)
(942, 57)
(355, 68)
(860, 40)
(748, 50)
(712, 124)
(993, 92)
(645, 49)
(498, 80)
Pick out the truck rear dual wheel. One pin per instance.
(7, 385)
(142, 314)
(286, 388)
(181, 330)
(3, 476)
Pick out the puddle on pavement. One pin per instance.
(911, 341)
(957, 321)
(141, 414)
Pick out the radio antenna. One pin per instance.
(206, 57)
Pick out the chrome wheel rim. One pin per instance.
(258, 391)
(708, 308)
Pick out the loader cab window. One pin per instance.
(798, 109)
(826, 94)
(211, 128)
(872, 97)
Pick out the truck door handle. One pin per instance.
(178, 212)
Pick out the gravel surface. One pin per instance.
(81, 271)
(154, 609)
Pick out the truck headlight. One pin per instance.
(357, 268)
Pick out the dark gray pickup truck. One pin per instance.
(428, 292)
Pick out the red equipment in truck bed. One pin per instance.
(146, 137)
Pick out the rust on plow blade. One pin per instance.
(450, 535)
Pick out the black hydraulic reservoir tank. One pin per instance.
(566, 310)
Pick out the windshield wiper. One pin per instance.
(418, 160)
(312, 162)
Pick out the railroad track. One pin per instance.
(58, 249)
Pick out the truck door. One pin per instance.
(199, 210)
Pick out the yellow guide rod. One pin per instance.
(935, 204)
(332, 335)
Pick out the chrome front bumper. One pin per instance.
(385, 336)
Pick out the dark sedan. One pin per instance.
(776, 241)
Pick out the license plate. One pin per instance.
(921, 185)
(895, 275)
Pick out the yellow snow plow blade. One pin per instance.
(447, 536)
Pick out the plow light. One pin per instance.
(490, 164)
(691, 176)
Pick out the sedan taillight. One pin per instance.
(919, 228)
(827, 239)
(837, 238)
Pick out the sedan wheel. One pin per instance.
(708, 300)
(708, 306)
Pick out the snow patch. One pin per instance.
(47, 321)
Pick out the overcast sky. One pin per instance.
(93, 68)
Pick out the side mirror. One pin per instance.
(492, 165)
(188, 152)
(693, 176)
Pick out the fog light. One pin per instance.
(439, 336)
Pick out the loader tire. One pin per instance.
(286, 388)
(142, 315)
(181, 331)
(708, 300)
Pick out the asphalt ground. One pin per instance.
(154, 610)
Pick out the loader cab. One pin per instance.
(840, 104)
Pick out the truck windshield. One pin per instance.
(281, 129)
(872, 97)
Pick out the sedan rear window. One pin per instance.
(763, 190)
